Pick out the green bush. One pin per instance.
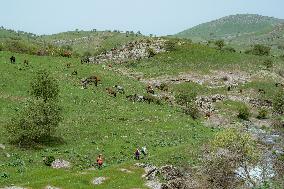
(261, 50)
(192, 110)
(243, 112)
(41, 115)
(278, 102)
(36, 121)
(184, 98)
(262, 114)
(229, 150)
(48, 160)
(164, 87)
(151, 52)
(220, 44)
(170, 45)
(44, 86)
(268, 63)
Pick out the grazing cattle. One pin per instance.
(119, 89)
(136, 98)
(89, 80)
(67, 54)
(261, 91)
(150, 90)
(13, 59)
(111, 92)
(241, 91)
(152, 98)
(94, 79)
(26, 62)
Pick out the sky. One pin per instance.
(158, 17)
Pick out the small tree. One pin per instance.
(37, 120)
(229, 151)
(278, 102)
(44, 86)
(41, 116)
(220, 44)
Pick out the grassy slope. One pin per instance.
(231, 25)
(195, 58)
(98, 41)
(240, 31)
(93, 123)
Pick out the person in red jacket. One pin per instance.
(100, 161)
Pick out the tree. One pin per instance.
(41, 115)
(229, 151)
(37, 120)
(220, 44)
(44, 86)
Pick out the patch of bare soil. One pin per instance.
(216, 79)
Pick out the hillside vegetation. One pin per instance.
(209, 117)
(240, 31)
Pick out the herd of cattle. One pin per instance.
(150, 96)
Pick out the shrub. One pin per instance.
(261, 50)
(44, 86)
(228, 151)
(170, 45)
(184, 98)
(48, 160)
(268, 63)
(41, 116)
(278, 102)
(151, 52)
(262, 114)
(243, 112)
(192, 110)
(278, 123)
(36, 121)
(220, 44)
(164, 87)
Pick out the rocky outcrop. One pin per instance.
(60, 164)
(171, 176)
(132, 51)
(98, 180)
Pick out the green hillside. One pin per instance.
(231, 27)
(199, 92)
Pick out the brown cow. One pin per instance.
(67, 54)
(110, 91)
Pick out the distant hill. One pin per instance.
(232, 26)
(80, 42)
(241, 31)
